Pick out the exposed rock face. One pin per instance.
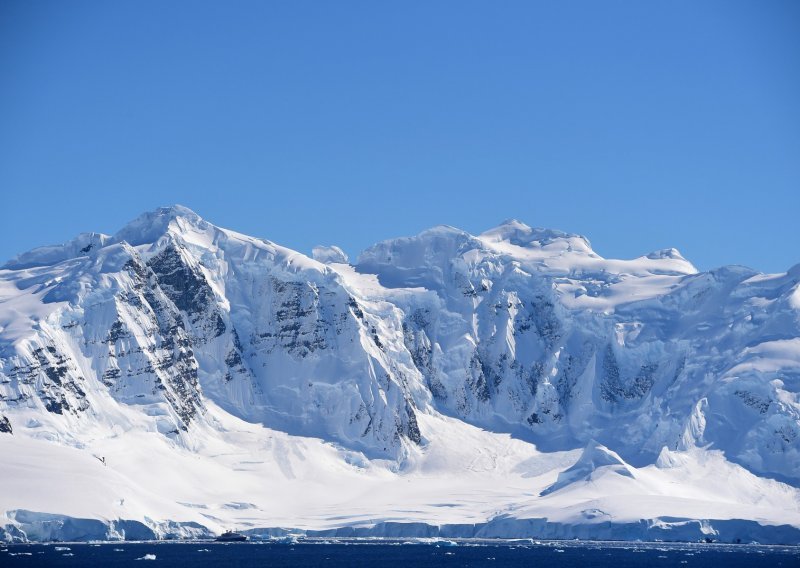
(190, 313)
(189, 291)
(52, 377)
(528, 330)
(517, 330)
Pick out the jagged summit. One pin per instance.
(518, 233)
(434, 244)
(150, 226)
(146, 228)
(670, 253)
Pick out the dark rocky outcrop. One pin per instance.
(5, 425)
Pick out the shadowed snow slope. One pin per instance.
(178, 377)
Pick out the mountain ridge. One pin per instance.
(173, 329)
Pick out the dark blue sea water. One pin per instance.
(406, 555)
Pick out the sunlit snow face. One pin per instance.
(187, 372)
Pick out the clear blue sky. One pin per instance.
(639, 124)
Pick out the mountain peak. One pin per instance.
(329, 254)
(667, 253)
(515, 224)
(517, 233)
(149, 227)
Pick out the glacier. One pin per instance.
(178, 378)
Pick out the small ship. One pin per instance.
(231, 536)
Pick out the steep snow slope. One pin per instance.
(529, 331)
(509, 383)
(172, 311)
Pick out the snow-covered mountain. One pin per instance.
(177, 378)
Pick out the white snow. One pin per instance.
(329, 254)
(555, 392)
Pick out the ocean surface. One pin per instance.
(323, 554)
